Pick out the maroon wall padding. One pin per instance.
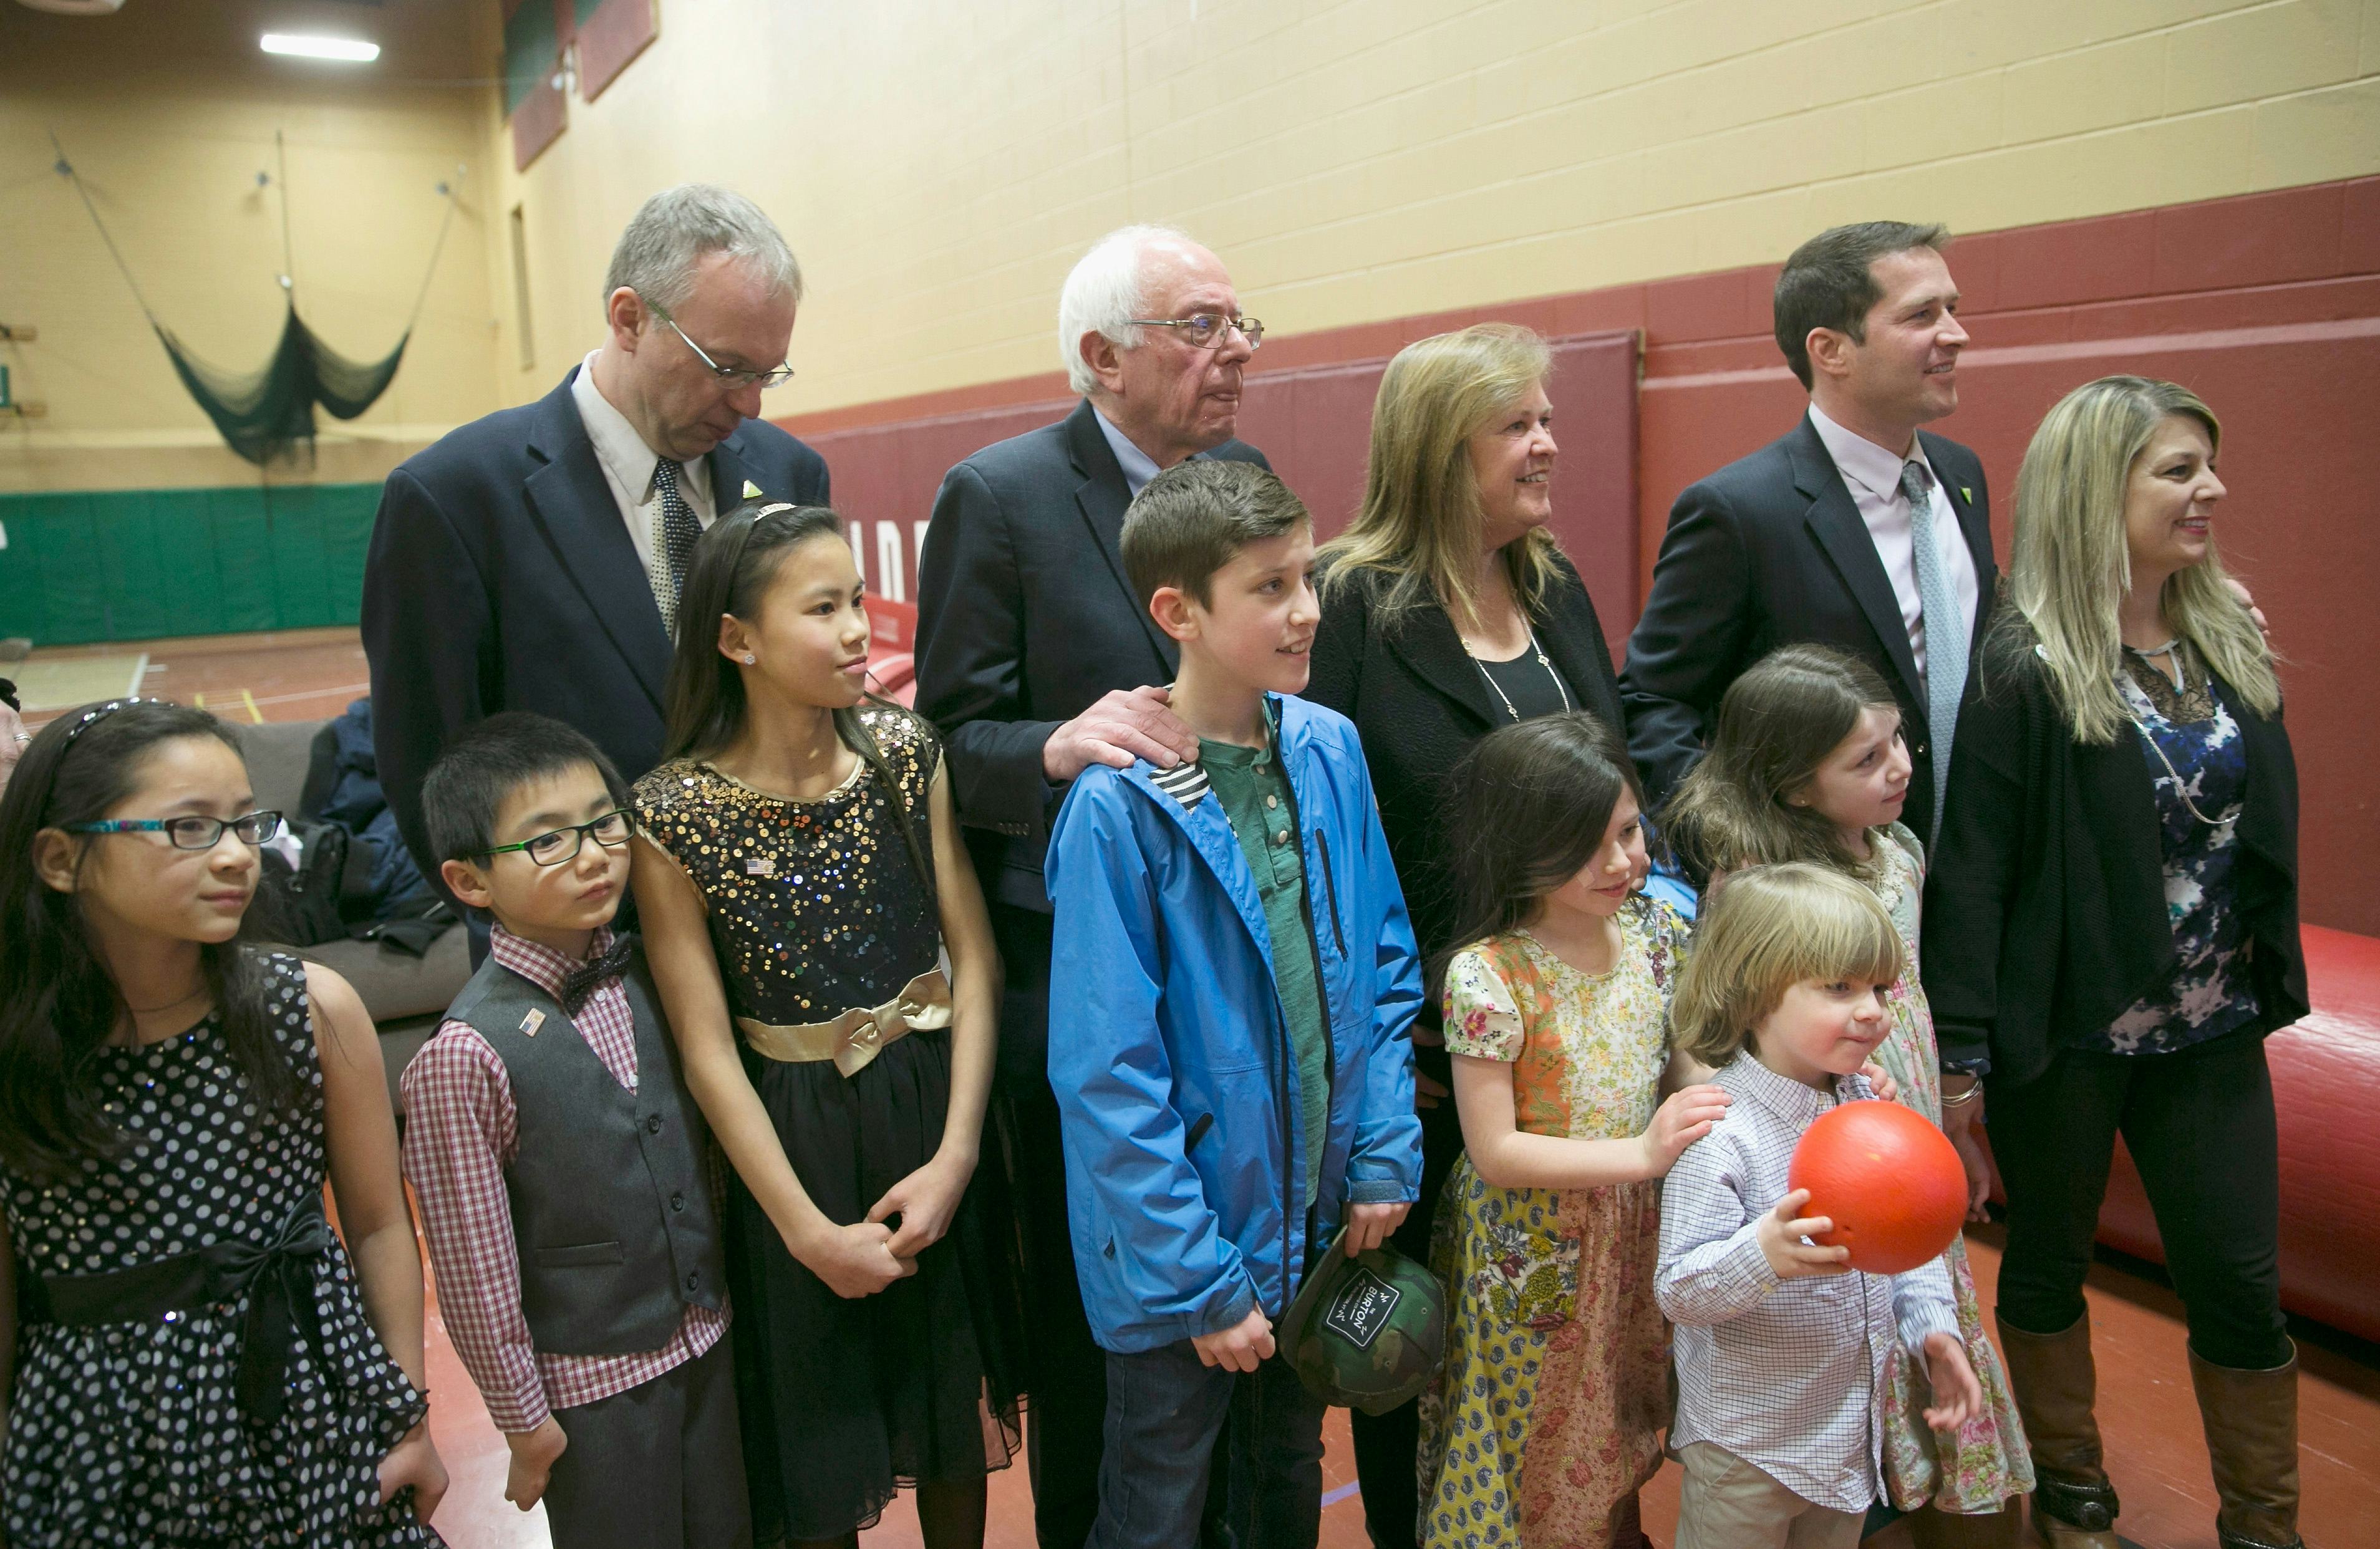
(616, 33)
(2327, 1087)
(537, 123)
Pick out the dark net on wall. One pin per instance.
(265, 415)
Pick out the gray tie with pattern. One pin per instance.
(1946, 637)
(679, 529)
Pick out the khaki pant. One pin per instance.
(1727, 1502)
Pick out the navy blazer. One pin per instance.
(1026, 619)
(502, 577)
(1770, 550)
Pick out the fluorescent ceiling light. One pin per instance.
(306, 46)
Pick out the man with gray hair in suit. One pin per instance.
(531, 560)
(1036, 660)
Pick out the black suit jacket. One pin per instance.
(1418, 701)
(1769, 552)
(1025, 621)
(2045, 910)
(502, 577)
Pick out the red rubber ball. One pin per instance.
(1890, 1181)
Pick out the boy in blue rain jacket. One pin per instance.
(1232, 982)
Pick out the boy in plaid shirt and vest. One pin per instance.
(562, 1169)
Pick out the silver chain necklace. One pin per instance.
(2182, 675)
(1560, 687)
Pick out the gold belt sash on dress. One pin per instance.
(859, 1034)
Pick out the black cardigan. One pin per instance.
(2046, 911)
(1418, 702)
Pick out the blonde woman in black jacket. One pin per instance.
(1448, 610)
(2110, 932)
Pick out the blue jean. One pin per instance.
(1164, 1412)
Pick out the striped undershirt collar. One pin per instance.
(1187, 783)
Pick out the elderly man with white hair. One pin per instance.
(531, 560)
(1036, 660)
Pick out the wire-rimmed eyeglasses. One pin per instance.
(1208, 329)
(734, 376)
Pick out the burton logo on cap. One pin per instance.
(1360, 1308)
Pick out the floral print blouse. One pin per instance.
(2199, 768)
(1586, 1050)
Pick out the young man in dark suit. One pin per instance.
(1856, 529)
(1036, 660)
(530, 561)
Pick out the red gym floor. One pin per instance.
(2154, 1450)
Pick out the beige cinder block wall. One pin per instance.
(939, 165)
(169, 110)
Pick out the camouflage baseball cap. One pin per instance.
(1366, 1332)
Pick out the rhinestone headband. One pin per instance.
(100, 712)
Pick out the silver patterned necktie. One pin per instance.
(679, 531)
(1945, 637)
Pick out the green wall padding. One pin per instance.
(142, 564)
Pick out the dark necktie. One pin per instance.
(679, 530)
(592, 975)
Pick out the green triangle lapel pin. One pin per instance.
(752, 491)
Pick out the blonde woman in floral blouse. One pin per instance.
(1547, 1415)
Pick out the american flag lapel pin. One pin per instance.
(531, 1022)
(760, 865)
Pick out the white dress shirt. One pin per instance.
(628, 467)
(1786, 1374)
(1138, 467)
(1873, 475)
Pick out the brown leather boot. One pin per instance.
(2055, 1383)
(2251, 1437)
(1930, 1528)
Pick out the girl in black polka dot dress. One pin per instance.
(188, 1353)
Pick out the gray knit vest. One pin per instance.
(611, 1210)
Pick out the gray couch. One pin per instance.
(406, 995)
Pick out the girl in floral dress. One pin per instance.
(1546, 1417)
(1808, 764)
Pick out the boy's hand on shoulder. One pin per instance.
(1241, 1347)
(534, 1455)
(1881, 1080)
(1958, 1397)
(1780, 1233)
(1369, 1225)
(1684, 1118)
(926, 1201)
(854, 1260)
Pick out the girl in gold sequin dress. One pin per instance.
(1808, 763)
(823, 953)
